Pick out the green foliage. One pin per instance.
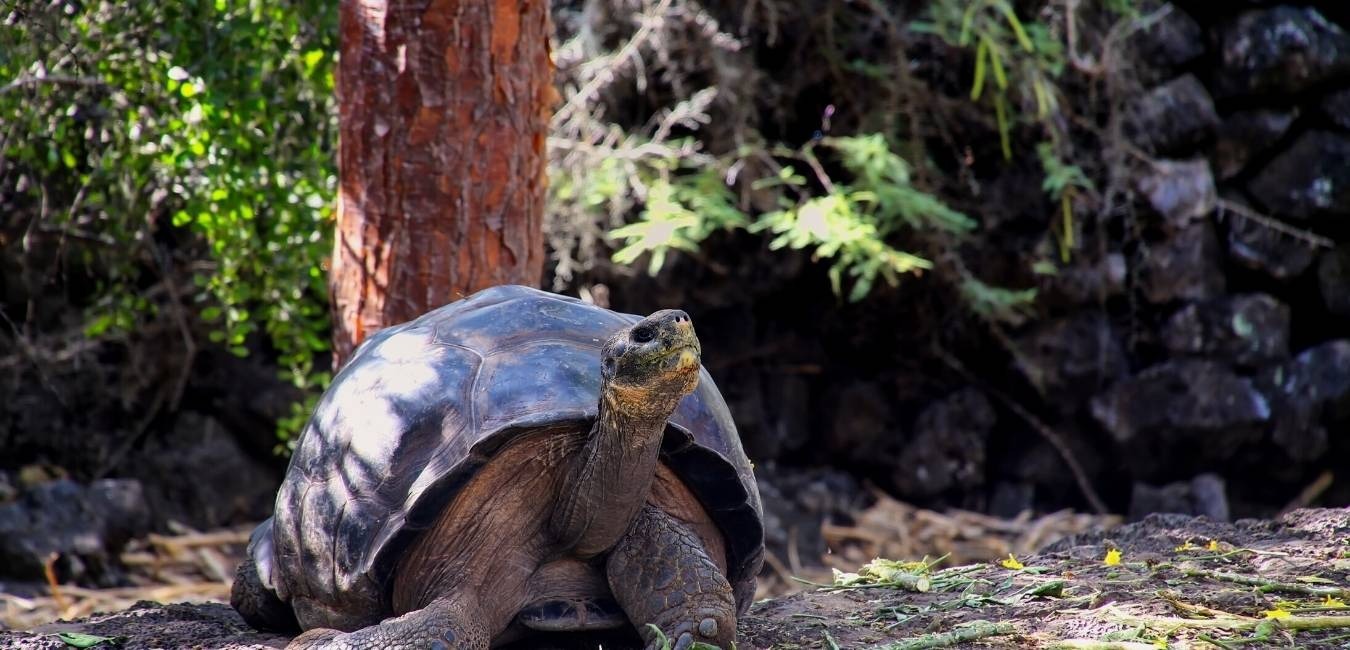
(678, 213)
(847, 222)
(214, 120)
(1024, 58)
(1062, 182)
(998, 304)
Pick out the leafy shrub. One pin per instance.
(214, 119)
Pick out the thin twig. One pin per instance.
(1050, 435)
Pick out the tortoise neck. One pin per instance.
(610, 477)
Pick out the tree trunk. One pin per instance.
(443, 115)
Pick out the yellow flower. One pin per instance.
(1213, 545)
(1276, 613)
(1012, 563)
(1188, 546)
(1333, 602)
(1112, 557)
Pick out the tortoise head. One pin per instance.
(655, 360)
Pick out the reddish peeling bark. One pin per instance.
(443, 112)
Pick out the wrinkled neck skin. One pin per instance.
(611, 475)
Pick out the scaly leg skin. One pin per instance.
(442, 625)
(661, 576)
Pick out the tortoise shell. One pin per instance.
(423, 405)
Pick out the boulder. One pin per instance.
(1165, 45)
(948, 447)
(197, 474)
(1307, 394)
(1249, 329)
(862, 424)
(83, 527)
(1205, 495)
(1311, 179)
(1183, 267)
(1337, 108)
(1245, 135)
(1333, 280)
(1171, 118)
(1072, 358)
(1189, 410)
(1180, 191)
(1279, 51)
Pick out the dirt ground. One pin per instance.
(1179, 582)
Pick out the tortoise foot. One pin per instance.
(438, 626)
(662, 577)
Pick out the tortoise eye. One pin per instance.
(643, 334)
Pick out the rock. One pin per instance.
(798, 501)
(1072, 358)
(1337, 108)
(1246, 329)
(1258, 246)
(85, 526)
(1280, 51)
(1308, 393)
(1311, 179)
(1320, 376)
(1011, 499)
(1245, 135)
(1191, 411)
(862, 423)
(1181, 191)
(1171, 118)
(1183, 267)
(1205, 495)
(1333, 280)
(947, 450)
(1084, 281)
(197, 474)
(1166, 45)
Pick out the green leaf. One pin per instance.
(79, 640)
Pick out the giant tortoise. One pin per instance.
(512, 464)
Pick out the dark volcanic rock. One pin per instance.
(1320, 375)
(798, 501)
(1311, 179)
(1337, 108)
(1307, 394)
(1246, 329)
(198, 475)
(1183, 267)
(1166, 45)
(1072, 358)
(85, 526)
(1181, 191)
(1333, 279)
(1187, 410)
(948, 447)
(1172, 117)
(1085, 281)
(1258, 246)
(861, 423)
(1244, 135)
(1205, 495)
(1280, 50)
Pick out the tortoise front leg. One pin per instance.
(442, 625)
(661, 576)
